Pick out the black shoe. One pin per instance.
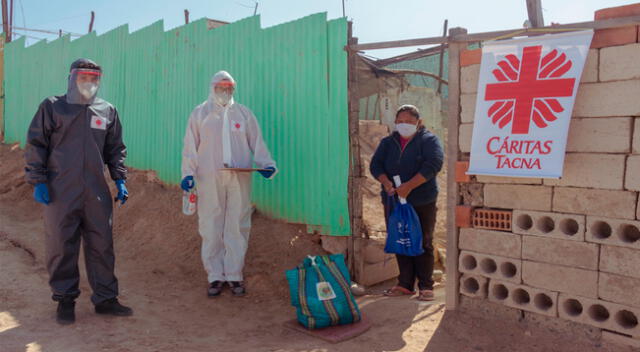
(66, 314)
(215, 288)
(237, 288)
(113, 307)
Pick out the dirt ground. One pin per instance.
(161, 277)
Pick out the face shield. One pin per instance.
(83, 85)
(222, 88)
(223, 92)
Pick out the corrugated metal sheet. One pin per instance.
(426, 64)
(293, 76)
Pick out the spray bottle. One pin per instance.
(189, 202)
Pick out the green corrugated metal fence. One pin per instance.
(293, 76)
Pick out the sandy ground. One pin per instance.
(162, 278)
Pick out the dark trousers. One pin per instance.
(68, 224)
(419, 267)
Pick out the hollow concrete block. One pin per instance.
(600, 135)
(518, 197)
(598, 202)
(524, 297)
(599, 313)
(620, 260)
(619, 63)
(474, 286)
(614, 232)
(619, 289)
(553, 251)
(602, 171)
(491, 242)
(491, 266)
(560, 278)
(469, 79)
(546, 224)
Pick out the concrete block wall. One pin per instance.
(573, 251)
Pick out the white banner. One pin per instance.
(526, 92)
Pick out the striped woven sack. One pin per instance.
(320, 291)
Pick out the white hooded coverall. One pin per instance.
(224, 204)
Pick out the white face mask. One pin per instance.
(222, 98)
(88, 89)
(406, 129)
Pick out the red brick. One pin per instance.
(618, 11)
(461, 168)
(490, 219)
(470, 57)
(614, 36)
(464, 215)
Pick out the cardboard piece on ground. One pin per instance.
(333, 334)
(239, 169)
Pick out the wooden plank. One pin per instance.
(534, 9)
(399, 43)
(452, 294)
(355, 161)
(441, 63)
(478, 37)
(410, 56)
(600, 24)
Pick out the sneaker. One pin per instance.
(237, 288)
(66, 314)
(215, 288)
(113, 307)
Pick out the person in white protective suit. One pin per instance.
(223, 134)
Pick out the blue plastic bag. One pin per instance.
(404, 232)
(320, 290)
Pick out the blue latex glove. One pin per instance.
(268, 173)
(187, 183)
(123, 194)
(41, 193)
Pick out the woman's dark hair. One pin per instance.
(410, 109)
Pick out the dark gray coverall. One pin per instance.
(69, 142)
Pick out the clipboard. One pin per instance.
(239, 169)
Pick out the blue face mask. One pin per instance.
(406, 129)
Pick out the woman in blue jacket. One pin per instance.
(414, 154)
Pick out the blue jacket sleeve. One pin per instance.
(433, 157)
(377, 161)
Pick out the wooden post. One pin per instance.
(11, 18)
(534, 9)
(355, 162)
(452, 294)
(93, 17)
(186, 16)
(5, 21)
(441, 66)
(1, 89)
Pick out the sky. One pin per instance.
(373, 20)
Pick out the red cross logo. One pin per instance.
(528, 88)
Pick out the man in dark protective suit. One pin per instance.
(69, 142)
